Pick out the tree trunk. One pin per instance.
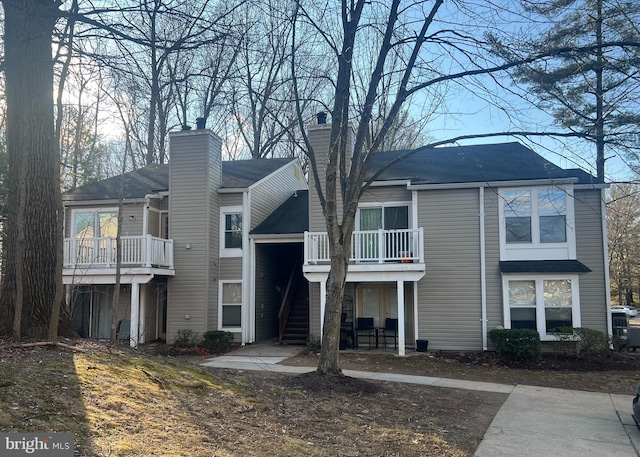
(329, 362)
(31, 289)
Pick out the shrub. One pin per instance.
(185, 338)
(313, 344)
(217, 340)
(516, 343)
(586, 342)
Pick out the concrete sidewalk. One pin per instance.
(539, 421)
(533, 421)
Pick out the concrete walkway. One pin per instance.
(533, 421)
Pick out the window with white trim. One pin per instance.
(542, 303)
(231, 231)
(396, 242)
(537, 223)
(95, 231)
(230, 299)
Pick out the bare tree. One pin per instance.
(433, 54)
(623, 230)
(33, 282)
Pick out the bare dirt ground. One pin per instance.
(120, 402)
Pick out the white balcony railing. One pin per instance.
(375, 246)
(143, 251)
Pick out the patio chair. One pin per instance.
(365, 327)
(390, 330)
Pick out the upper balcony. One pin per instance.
(384, 251)
(98, 256)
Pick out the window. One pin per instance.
(547, 207)
(94, 232)
(230, 304)
(552, 208)
(231, 232)
(95, 223)
(517, 216)
(537, 224)
(394, 244)
(387, 218)
(542, 304)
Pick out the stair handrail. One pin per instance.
(287, 300)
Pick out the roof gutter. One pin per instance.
(101, 202)
(471, 185)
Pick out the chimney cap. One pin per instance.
(186, 127)
(322, 117)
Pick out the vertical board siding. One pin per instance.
(590, 251)
(270, 193)
(449, 296)
(195, 176)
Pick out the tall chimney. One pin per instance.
(200, 122)
(322, 117)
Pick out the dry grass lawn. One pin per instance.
(122, 403)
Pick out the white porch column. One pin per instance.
(135, 314)
(323, 304)
(143, 315)
(401, 318)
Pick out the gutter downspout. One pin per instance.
(145, 213)
(605, 250)
(246, 268)
(483, 273)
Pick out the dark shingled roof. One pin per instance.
(137, 184)
(155, 178)
(289, 218)
(243, 173)
(543, 266)
(477, 163)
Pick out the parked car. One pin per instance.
(630, 311)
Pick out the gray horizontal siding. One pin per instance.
(590, 251)
(449, 296)
(267, 195)
(234, 199)
(383, 195)
(194, 180)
